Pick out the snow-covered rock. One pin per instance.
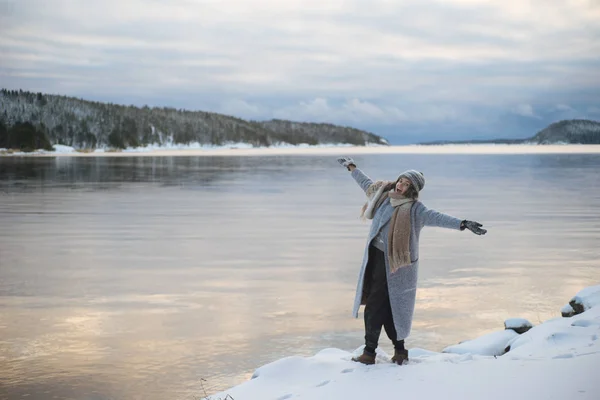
(560, 338)
(584, 300)
(519, 325)
(567, 311)
(492, 344)
(495, 343)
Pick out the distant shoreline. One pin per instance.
(336, 150)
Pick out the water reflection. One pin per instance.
(135, 277)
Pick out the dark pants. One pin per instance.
(378, 311)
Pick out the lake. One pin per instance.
(168, 277)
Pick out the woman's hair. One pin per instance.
(412, 192)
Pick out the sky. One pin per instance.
(411, 71)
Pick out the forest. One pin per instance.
(31, 120)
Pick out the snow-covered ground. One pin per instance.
(60, 149)
(558, 359)
(243, 149)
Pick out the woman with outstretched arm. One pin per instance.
(387, 284)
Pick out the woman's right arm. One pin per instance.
(363, 180)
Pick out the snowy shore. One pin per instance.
(242, 149)
(558, 359)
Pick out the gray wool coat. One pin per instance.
(402, 284)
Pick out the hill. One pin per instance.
(580, 131)
(573, 131)
(28, 119)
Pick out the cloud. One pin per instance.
(357, 110)
(525, 110)
(320, 110)
(563, 107)
(357, 62)
(240, 108)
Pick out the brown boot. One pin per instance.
(365, 358)
(400, 357)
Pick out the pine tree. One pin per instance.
(26, 137)
(3, 135)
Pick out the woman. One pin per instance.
(387, 284)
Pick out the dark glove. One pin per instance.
(346, 162)
(473, 226)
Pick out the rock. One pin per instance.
(519, 325)
(567, 311)
(576, 306)
(509, 345)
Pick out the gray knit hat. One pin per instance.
(415, 177)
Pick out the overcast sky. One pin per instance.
(409, 70)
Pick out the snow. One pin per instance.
(171, 148)
(556, 359)
(492, 344)
(190, 146)
(244, 149)
(59, 148)
(10, 152)
(518, 325)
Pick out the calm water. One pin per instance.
(131, 278)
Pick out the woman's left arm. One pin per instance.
(436, 218)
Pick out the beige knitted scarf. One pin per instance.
(399, 233)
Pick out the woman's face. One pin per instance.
(402, 186)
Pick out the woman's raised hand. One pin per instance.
(346, 162)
